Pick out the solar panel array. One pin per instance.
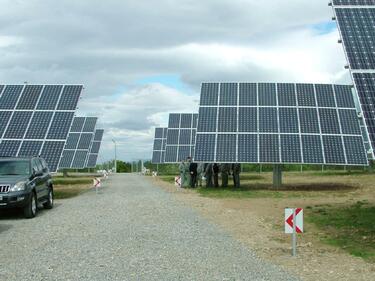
(160, 142)
(35, 120)
(95, 148)
(78, 143)
(356, 20)
(180, 137)
(278, 123)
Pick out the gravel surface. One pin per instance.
(130, 231)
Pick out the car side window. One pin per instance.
(34, 165)
(39, 164)
(44, 165)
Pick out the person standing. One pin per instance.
(200, 171)
(181, 169)
(208, 175)
(225, 171)
(236, 170)
(215, 169)
(193, 168)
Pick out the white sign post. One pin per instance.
(97, 184)
(294, 225)
(177, 181)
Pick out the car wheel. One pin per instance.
(31, 207)
(49, 203)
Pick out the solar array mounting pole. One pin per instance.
(294, 239)
(277, 176)
(115, 155)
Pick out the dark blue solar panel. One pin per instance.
(18, 125)
(183, 152)
(185, 137)
(290, 149)
(95, 147)
(325, 95)
(50, 97)
(186, 120)
(247, 119)
(248, 94)
(159, 133)
(156, 157)
(60, 125)
(344, 96)
(99, 135)
(306, 95)
(10, 96)
(269, 149)
(209, 94)
(205, 147)
(85, 141)
(193, 133)
(9, 148)
(1, 89)
(174, 120)
(30, 148)
(267, 94)
(248, 148)
(195, 121)
(358, 35)
(207, 119)
(228, 94)
(226, 148)
(268, 120)
(69, 97)
(171, 154)
(29, 97)
(329, 121)
(165, 132)
(51, 152)
(354, 2)
(157, 144)
(286, 94)
(78, 123)
(90, 125)
(349, 122)
(312, 149)
(309, 121)
(72, 141)
(39, 125)
(164, 144)
(91, 162)
(288, 120)
(227, 119)
(4, 119)
(355, 150)
(333, 150)
(79, 159)
(67, 159)
(172, 138)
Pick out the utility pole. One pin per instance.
(115, 155)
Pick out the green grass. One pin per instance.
(71, 181)
(350, 228)
(169, 179)
(62, 193)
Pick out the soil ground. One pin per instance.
(258, 222)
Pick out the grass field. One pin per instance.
(71, 186)
(340, 204)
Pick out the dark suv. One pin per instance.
(25, 183)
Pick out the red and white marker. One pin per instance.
(177, 181)
(293, 225)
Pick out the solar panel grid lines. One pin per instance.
(270, 120)
(353, 2)
(95, 148)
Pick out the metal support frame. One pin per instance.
(277, 176)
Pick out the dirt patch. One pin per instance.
(258, 222)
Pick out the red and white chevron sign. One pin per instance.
(289, 220)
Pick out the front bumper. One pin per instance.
(17, 199)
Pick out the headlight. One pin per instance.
(19, 186)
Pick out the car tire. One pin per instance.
(49, 203)
(30, 209)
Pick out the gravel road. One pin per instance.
(130, 231)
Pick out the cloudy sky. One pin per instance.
(140, 60)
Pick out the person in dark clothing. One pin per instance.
(236, 170)
(193, 174)
(208, 175)
(215, 169)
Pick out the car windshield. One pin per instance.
(14, 168)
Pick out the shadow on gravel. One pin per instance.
(5, 227)
(17, 214)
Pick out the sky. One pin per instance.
(141, 60)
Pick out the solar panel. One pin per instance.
(181, 132)
(79, 141)
(355, 20)
(308, 124)
(94, 149)
(158, 151)
(30, 123)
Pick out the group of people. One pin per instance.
(192, 174)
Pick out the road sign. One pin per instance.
(177, 181)
(289, 220)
